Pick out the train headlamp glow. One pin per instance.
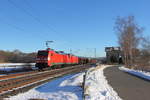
(48, 58)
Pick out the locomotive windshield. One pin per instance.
(43, 53)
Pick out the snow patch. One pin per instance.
(34, 94)
(142, 74)
(16, 66)
(64, 88)
(75, 80)
(96, 85)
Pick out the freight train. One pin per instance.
(53, 59)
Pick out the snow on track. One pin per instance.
(142, 74)
(15, 66)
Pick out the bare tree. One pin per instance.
(129, 34)
(146, 44)
(144, 61)
(16, 56)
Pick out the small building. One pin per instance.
(113, 55)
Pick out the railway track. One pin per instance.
(4, 77)
(12, 75)
(10, 84)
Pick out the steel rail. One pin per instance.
(13, 83)
(17, 75)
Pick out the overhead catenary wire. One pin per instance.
(28, 13)
(67, 43)
(35, 17)
(15, 26)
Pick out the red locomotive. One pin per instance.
(51, 58)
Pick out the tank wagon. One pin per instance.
(51, 58)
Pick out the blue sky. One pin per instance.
(80, 25)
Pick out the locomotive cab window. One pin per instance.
(43, 53)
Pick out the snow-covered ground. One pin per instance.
(15, 66)
(69, 88)
(138, 73)
(97, 87)
(65, 88)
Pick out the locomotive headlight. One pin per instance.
(48, 58)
